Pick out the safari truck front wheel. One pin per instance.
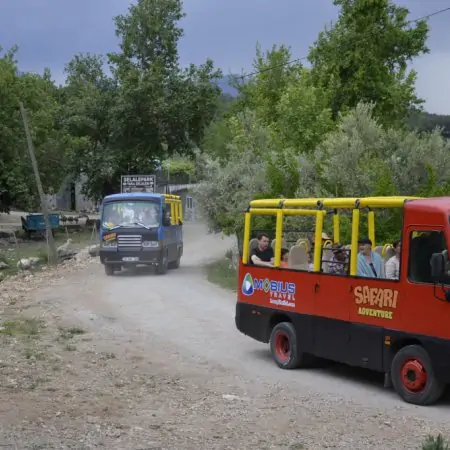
(413, 376)
(285, 347)
(163, 263)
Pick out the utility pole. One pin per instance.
(168, 176)
(53, 256)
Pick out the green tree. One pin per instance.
(87, 105)
(303, 116)
(364, 56)
(160, 109)
(274, 72)
(40, 97)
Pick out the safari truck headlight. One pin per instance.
(150, 244)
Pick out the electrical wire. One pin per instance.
(303, 58)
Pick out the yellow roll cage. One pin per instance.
(297, 207)
(176, 209)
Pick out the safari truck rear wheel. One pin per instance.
(413, 376)
(284, 347)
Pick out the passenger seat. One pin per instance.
(298, 258)
(326, 258)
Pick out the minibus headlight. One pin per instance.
(109, 244)
(150, 244)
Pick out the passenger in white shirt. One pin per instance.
(393, 264)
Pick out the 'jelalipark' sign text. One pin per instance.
(137, 183)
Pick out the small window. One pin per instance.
(422, 244)
(166, 212)
(189, 203)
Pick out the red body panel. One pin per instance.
(398, 305)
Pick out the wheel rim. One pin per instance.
(413, 375)
(282, 347)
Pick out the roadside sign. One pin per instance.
(137, 183)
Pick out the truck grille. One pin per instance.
(127, 241)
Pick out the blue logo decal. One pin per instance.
(247, 285)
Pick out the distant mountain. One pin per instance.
(424, 122)
(225, 84)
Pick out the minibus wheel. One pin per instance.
(163, 263)
(176, 264)
(413, 376)
(109, 269)
(284, 346)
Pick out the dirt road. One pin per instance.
(162, 366)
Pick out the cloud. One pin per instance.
(50, 32)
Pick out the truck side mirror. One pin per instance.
(97, 224)
(438, 265)
(166, 221)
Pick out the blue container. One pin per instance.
(36, 222)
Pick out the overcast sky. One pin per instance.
(49, 32)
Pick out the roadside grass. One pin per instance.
(69, 333)
(436, 443)
(222, 273)
(27, 331)
(37, 248)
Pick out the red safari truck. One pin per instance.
(400, 326)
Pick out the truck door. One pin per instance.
(331, 316)
(424, 314)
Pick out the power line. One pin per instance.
(303, 58)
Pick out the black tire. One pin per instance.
(163, 264)
(285, 349)
(413, 376)
(175, 264)
(109, 269)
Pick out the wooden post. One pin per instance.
(53, 259)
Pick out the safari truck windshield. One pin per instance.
(335, 292)
(141, 229)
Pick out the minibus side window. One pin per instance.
(422, 244)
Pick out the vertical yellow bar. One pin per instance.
(278, 237)
(246, 241)
(371, 226)
(318, 240)
(355, 238)
(336, 228)
(181, 211)
(172, 213)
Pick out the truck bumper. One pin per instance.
(150, 256)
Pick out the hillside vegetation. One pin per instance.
(342, 127)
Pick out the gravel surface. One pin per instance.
(140, 361)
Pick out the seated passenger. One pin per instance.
(370, 264)
(262, 255)
(310, 264)
(284, 258)
(338, 264)
(393, 264)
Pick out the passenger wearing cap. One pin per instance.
(370, 264)
(325, 238)
(338, 262)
